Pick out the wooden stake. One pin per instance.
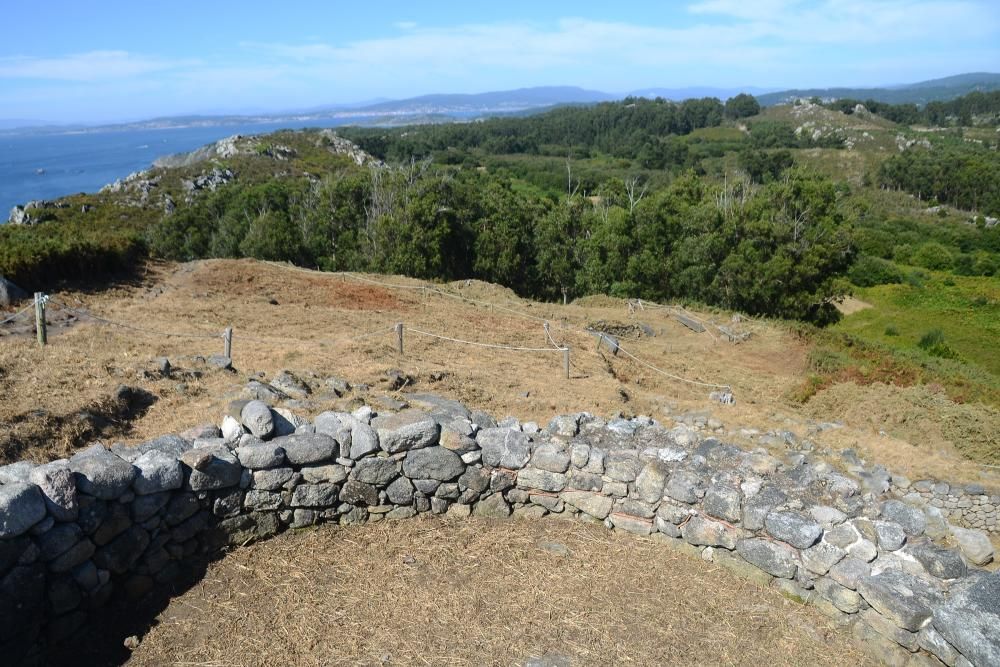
(228, 337)
(399, 337)
(566, 360)
(40, 319)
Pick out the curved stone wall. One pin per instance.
(121, 521)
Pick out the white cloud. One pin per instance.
(90, 66)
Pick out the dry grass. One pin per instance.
(303, 330)
(475, 592)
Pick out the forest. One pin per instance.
(701, 201)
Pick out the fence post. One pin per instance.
(228, 337)
(399, 337)
(566, 360)
(545, 325)
(40, 318)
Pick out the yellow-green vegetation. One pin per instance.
(966, 310)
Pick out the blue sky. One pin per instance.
(72, 61)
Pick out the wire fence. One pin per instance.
(17, 314)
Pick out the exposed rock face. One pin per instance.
(10, 293)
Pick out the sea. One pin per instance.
(46, 166)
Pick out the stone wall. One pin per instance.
(970, 506)
(117, 522)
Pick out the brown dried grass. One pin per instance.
(434, 591)
(314, 312)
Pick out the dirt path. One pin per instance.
(476, 592)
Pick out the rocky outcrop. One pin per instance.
(116, 522)
(31, 213)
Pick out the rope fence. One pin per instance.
(41, 301)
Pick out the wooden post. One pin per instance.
(228, 337)
(40, 319)
(564, 291)
(545, 325)
(566, 360)
(399, 337)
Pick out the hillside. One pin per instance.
(920, 93)
(779, 213)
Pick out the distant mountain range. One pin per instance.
(935, 90)
(440, 108)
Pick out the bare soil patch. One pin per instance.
(475, 592)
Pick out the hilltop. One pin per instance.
(921, 93)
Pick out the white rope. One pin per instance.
(83, 313)
(18, 314)
(350, 339)
(548, 335)
(489, 345)
(671, 375)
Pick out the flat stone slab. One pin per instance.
(403, 431)
(970, 620)
(904, 599)
(307, 448)
(694, 326)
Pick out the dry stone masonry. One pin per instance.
(866, 551)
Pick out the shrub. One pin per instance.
(891, 331)
(933, 344)
(933, 255)
(870, 271)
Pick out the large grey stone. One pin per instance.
(901, 597)
(821, 557)
(21, 507)
(58, 486)
(705, 532)
(257, 418)
(910, 518)
(316, 495)
(375, 470)
(406, 430)
(222, 471)
(843, 598)
(156, 472)
(931, 641)
(651, 480)
(59, 540)
(585, 481)
(333, 474)
(260, 455)
(975, 545)
(891, 535)
(759, 505)
(271, 479)
(101, 473)
(400, 492)
(970, 618)
(433, 463)
(776, 559)
(551, 458)
(685, 486)
(475, 479)
(257, 499)
(941, 562)
(595, 505)
(622, 466)
(504, 448)
(442, 409)
(364, 440)
(172, 445)
(723, 502)
(492, 507)
(118, 556)
(849, 571)
(797, 529)
(543, 480)
(359, 493)
(307, 448)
